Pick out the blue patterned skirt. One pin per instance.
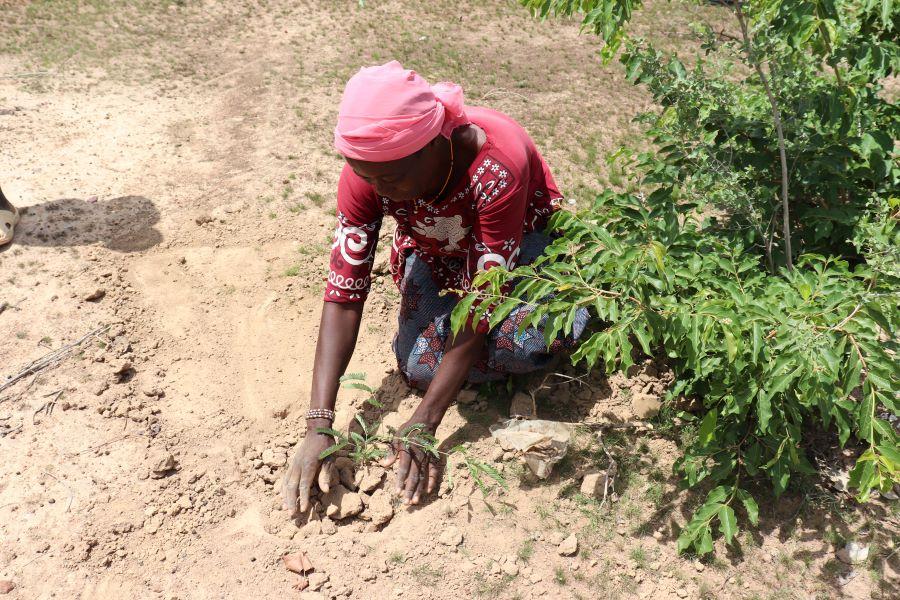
(424, 326)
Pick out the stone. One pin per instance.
(594, 484)
(367, 575)
(569, 546)
(328, 527)
(467, 397)
(853, 553)
(369, 479)
(511, 569)
(380, 510)
(496, 569)
(6, 586)
(645, 406)
(451, 536)
(556, 537)
(161, 464)
(274, 459)
(681, 592)
(522, 405)
(95, 295)
(316, 580)
(340, 503)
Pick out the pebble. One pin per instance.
(511, 569)
(451, 536)
(6, 586)
(316, 580)
(569, 546)
(853, 553)
(681, 592)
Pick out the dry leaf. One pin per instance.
(301, 584)
(298, 563)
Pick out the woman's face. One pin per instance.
(405, 179)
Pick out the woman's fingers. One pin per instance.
(403, 465)
(289, 489)
(434, 476)
(391, 458)
(327, 474)
(305, 486)
(423, 469)
(412, 478)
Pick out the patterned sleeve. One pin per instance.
(500, 202)
(355, 237)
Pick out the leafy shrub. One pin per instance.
(781, 330)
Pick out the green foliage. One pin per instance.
(367, 445)
(775, 353)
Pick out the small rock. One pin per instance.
(451, 536)
(522, 405)
(511, 569)
(6, 586)
(273, 459)
(645, 406)
(466, 397)
(681, 592)
(853, 553)
(496, 569)
(594, 484)
(203, 219)
(95, 296)
(569, 546)
(161, 464)
(369, 479)
(699, 566)
(380, 510)
(367, 575)
(316, 580)
(340, 503)
(556, 537)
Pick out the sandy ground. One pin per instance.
(175, 166)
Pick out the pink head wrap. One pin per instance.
(388, 112)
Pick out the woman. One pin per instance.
(9, 218)
(469, 191)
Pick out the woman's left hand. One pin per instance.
(418, 469)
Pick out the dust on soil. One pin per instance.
(175, 157)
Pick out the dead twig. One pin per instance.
(611, 471)
(71, 493)
(49, 360)
(48, 406)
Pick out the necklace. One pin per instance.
(447, 180)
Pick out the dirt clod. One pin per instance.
(161, 464)
(569, 546)
(451, 536)
(95, 295)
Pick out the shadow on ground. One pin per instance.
(123, 224)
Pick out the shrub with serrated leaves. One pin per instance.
(784, 129)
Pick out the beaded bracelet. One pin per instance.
(320, 413)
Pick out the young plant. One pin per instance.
(367, 447)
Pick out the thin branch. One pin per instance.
(49, 360)
(776, 116)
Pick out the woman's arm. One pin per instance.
(338, 331)
(419, 473)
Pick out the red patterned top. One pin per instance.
(509, 191)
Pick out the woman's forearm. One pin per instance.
(338, 330)
(460, 355)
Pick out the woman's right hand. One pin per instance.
(306, 467)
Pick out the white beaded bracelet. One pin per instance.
(320, 413)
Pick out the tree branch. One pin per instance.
(776, 116)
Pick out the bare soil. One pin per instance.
(174, 163)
